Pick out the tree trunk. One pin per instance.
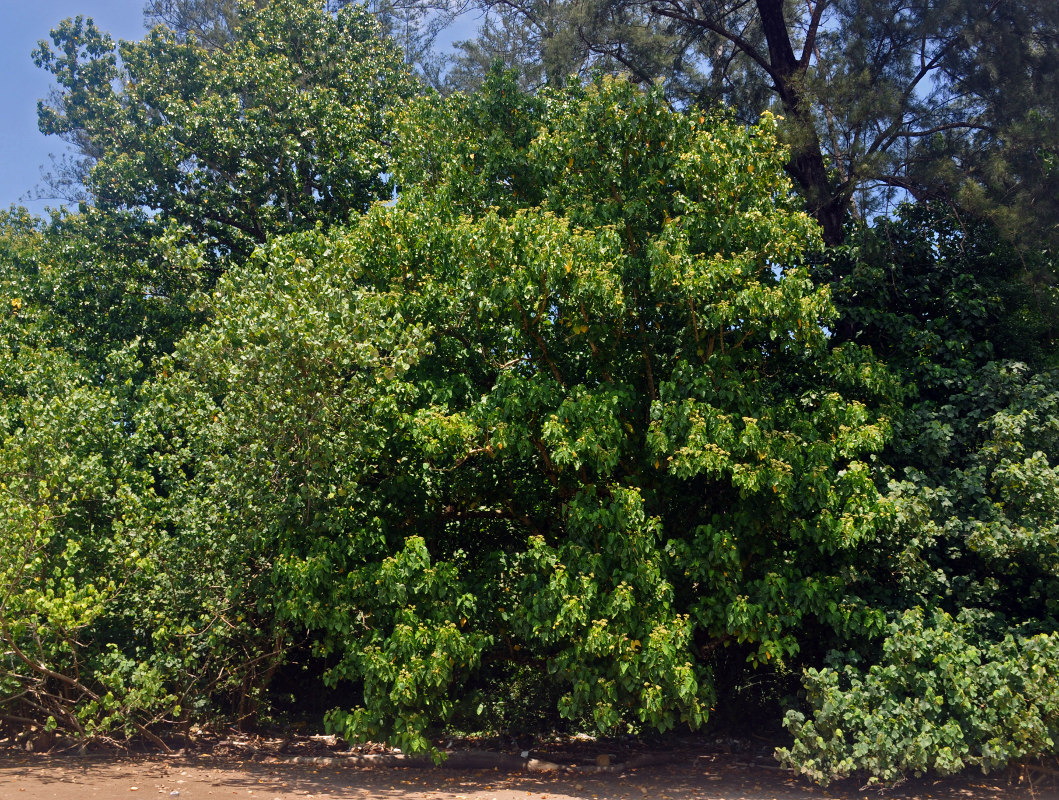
(826, 204)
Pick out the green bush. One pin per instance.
(939, 700)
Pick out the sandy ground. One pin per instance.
(27, 776)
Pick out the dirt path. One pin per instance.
(702, 777)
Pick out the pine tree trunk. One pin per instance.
(807, 166)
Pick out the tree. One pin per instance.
(286, 127)
(413, 25)
(566, 406)
(117, 619)
(107, 616)
(939, 100)
(953, 310)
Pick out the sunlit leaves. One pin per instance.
(590, 380)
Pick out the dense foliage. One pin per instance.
(966, 673)
(508, 409)
(936, 701)
(284, 127)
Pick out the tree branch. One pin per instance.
(716, 27)
(810, 35)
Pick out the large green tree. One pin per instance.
(286, 127)
(568, 406)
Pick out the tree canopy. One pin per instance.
(284, 127)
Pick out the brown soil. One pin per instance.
(575, 771)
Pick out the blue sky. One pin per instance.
(23, 149)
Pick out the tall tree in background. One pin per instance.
(938, 100)
(284, 127)
(413, 24)
(882, 100)
(1009, 71)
